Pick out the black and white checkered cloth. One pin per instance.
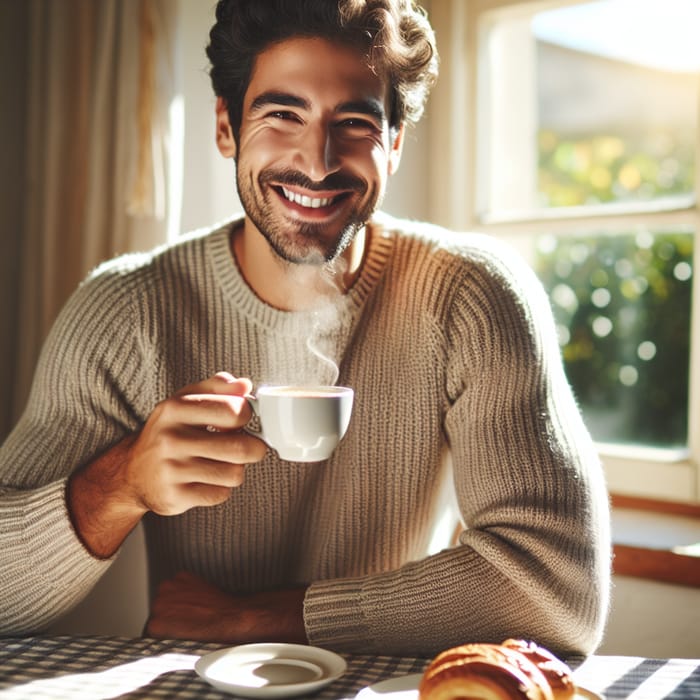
(78, 668)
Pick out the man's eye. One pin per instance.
(356, 123)
(282, 114)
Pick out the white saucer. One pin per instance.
(270, 670)
(406, 688)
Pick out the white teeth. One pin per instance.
(305, 201)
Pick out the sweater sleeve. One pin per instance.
(534, 559)
(75, 411)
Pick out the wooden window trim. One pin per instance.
(660, 565)
(688, 510)
(656, 564)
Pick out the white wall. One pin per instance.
(209, 190)
(118, 605)
(653, 619)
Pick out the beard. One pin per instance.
(302, 242)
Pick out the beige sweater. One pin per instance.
(447, 340)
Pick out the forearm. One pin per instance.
(99, 502)
(187, 607)
(459, 596)
(271, 615)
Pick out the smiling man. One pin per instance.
(315, 148)
(313, 152)
(139, 406)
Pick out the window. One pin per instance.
(579, 131)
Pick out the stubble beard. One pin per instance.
(296, 242)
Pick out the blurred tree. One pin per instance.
(621, 302)
(575, 171)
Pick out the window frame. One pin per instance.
(454, 118)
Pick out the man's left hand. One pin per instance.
(187, 607)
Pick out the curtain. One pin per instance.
(101, 158)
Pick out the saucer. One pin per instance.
(270, 670)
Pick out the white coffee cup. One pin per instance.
(302, 423)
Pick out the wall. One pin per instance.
(118, 604)
(209, 191)
(653, 619)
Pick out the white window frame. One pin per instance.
(453, 172)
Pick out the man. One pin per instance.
(447, 340)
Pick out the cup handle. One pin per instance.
(253, 403)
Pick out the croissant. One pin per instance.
(514, 670)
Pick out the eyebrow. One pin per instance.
(279, 98)
(370, 106)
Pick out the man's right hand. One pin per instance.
(190, 452)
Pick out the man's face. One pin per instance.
(314, 149)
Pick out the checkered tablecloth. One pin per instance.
(107, 667)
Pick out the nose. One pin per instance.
(317, 153)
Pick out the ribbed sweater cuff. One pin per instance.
(333, 614)
(47, 567)
(48, 527)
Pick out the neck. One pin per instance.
(294, 286)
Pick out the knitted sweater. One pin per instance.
(448, 342)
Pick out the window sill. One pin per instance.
(655, 540)
(679, 203)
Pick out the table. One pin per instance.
(108, 667)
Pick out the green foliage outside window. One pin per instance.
(609, 168)
(621, 302)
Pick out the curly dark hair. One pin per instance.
(395, 35)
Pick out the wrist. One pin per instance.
(286, 614)
(268, 616)
(101, 508)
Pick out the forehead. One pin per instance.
(316, 69)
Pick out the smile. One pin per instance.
(305, 201)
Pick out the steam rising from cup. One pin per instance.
(326, 317)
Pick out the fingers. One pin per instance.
(218, 402)
(220, 383)
(194, 483)
(223, 412)
(188, 454)
(192, 450)
(238, 447)
(211, 495)
(221, 461)
(207, 426)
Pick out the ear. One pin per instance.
(396, 150)
(224, 133)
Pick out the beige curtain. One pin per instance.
(101, 155)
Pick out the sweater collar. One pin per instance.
(381, 242)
